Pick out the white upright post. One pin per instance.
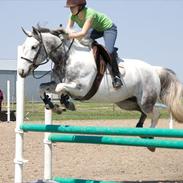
(19, 120)
(47, 148)
(8, 100)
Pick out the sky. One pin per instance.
(150, 30)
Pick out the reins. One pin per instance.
(33, 62)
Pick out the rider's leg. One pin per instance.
(117, 83)
(110, 36)
(93, 34)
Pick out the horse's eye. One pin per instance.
(34, 47)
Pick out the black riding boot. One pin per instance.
(117, 83)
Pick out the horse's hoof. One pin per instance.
(70, 106)
(139, 125)
(47, 107)
(57, 109)
(64, 109)
(152, 149)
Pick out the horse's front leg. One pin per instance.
(71, 87)
(65, 100)
(49, 88)
(68, 88)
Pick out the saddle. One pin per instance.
(102, 57)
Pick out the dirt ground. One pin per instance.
(99, 162)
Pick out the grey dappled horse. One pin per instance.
(75, 70)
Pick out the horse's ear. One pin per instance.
(36, 33)
(27, 33)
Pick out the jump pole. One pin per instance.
(103, 130)
(19, 120)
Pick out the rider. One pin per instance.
(96, 25)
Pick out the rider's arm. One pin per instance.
(79, 35)
(70, 25)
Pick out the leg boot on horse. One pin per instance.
(64, 100)
(49, 105)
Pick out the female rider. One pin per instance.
(97, 25)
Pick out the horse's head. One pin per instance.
(32, 53)
(40, 45)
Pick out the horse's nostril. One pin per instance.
(21, 72)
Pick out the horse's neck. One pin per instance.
(81, 54)
(75, 59)
(80, 63)
(51, 42)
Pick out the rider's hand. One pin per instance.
(71, 35)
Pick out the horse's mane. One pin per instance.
(61, 31)
(55, 32)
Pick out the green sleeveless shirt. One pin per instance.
(100, 21)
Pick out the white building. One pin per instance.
(8, 71)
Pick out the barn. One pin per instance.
(8, 72)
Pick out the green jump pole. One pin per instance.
(72, 180)
(174, 144)
(96, 130)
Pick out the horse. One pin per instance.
(75, 71)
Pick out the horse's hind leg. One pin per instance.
(154, 115)
(131, 105)
(148, 107)
(141, 120)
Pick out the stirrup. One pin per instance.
(117, 83)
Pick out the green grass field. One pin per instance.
(84, 111)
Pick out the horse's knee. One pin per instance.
(59, 88)
(148, 102)
(47, 87)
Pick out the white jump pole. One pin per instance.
(47, 148)
(19, 120)
(8, 100)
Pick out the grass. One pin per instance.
(84, 111)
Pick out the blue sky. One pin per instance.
(151, 30)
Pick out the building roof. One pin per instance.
(11, 65)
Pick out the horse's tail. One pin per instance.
(171, 93)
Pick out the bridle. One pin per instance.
(48, 55)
